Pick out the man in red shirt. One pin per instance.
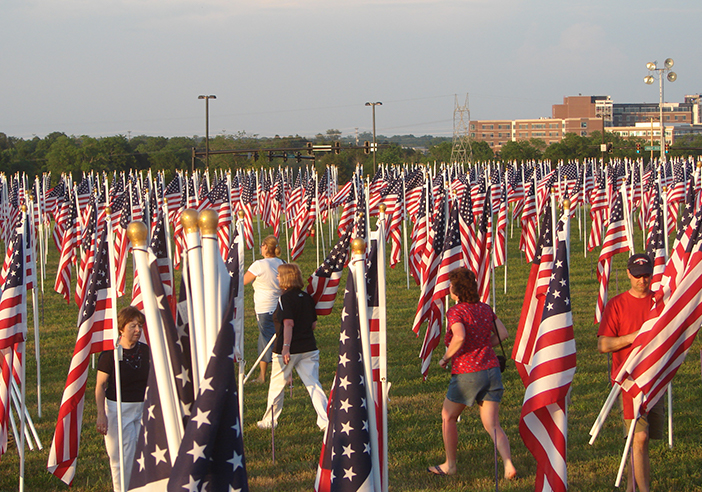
(623, 317)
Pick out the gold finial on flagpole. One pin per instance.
(358, 246)
(137, 233)
(189, 220)
(208, 221)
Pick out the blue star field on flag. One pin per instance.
(211, 455)
(347, 449)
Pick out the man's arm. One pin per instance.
(612, 344)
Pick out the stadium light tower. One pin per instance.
(648, 79)
(207, 127)
(375, 147)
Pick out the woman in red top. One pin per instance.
(475, 370)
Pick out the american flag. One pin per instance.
(345, 462)
(88, 258)
(655, 247)
(173, 194)
(68, 253)
(534, 298)
(427, 309)
(484, 244)
(13, 302)
(665, 338)
(394, 215)
(324, 282)
(500, 248)
(527, 240)
(378, 344)
(95, 327)
(211, 455)
(418, 241)
(450, 256)
(152, 462)
(544, 423)
(247, 198)
(680, 257)
(6, 361)
(122, 244)
(615, 241)
(690, 206)
(414, 190)
(466, 225)
(305, 220)
(598, 212)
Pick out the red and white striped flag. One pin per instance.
(95, 327)
(544, 423)
(616, 241)
(663, 341)
(323, 284)
(533, 306)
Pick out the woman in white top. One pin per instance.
(264, 275)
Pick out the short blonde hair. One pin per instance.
(290, 276)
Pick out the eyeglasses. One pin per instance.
(644, 275)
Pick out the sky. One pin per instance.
(301, 67)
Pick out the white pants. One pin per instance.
(131, 425)
(307, 366)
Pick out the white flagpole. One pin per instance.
(358, 269)
(35, 300)
(194, 251)
(207, 220)
(116, 344)
(383, 346)
(170, 406)
(239, 316)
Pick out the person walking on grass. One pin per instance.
(264, 275)
(475, 370)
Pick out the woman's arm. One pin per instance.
(287, 338)
(249, 277)
(502, 330)
(100, 389)
(459, 334)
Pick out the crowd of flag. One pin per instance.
(458, 216)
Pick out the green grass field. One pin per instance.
(414, 408)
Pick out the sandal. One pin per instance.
(436, 470)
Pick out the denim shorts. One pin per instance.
(266, 330)
(479, 386)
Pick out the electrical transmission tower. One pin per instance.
(461, 152)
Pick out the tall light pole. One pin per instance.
(672, 77)
(207, 127)
(375, 147)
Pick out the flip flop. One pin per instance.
(436, 470)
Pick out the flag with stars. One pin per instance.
(211, 455)
(655, 246)
(13, 303)
(345, 462)
(324, 282)
(544, 419)
(13, 325)
(95, 327)
(152, 462)
(616, 240)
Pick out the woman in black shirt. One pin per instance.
(134, 373)
(295, 319)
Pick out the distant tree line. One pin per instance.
(58, 152)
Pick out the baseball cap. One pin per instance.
(640, 264)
